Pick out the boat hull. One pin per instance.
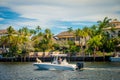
(49, 66)
(115, 59)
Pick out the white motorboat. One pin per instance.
(55, 65)
(49, 66)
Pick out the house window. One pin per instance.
(77, 38)
(119, 33)
(71, 39)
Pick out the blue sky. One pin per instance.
(58, 15)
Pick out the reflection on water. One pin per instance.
(92, 71)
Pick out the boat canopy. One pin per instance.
(59, 55)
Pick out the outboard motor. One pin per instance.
(79, 65)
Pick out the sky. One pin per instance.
(57, 15)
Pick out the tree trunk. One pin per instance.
(94, 54)
(24, 58)
(103, 55)
(43, 55)
(79, 45)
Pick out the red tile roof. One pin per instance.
(3, 31)
(65, 33)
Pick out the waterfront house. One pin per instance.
(2, 47)
(3, 33)
(114, 29)
(70, 36)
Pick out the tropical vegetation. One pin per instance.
(25, 40)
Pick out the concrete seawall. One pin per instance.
(49, 59)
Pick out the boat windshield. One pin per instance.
(59, 55)
(58, 60)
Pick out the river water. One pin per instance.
(92, 71)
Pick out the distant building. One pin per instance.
(2, 47)
(70, 36)
(66, 36)
(114, 29)
(3, 32)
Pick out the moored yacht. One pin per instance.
(116, 58)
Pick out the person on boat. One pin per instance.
(59, 60)
(38, 60)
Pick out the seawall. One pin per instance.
(49, 59)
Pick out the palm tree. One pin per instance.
(88, 31)
(23, 42)
(37, 38)
(11, 32)
(100, 31)
(70, 29)
(103, 24)
(38, 29)
(86, 36)
(48, 34)
(46, 42)
(94, 43)
(93, 30)
(80, 34)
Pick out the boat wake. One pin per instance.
(109, 69)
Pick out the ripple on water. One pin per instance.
(26, 71)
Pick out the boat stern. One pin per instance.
(79, 65)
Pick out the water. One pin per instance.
(92, 71)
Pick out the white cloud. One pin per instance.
(47, 11)
(63, 27)
(1, 19)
